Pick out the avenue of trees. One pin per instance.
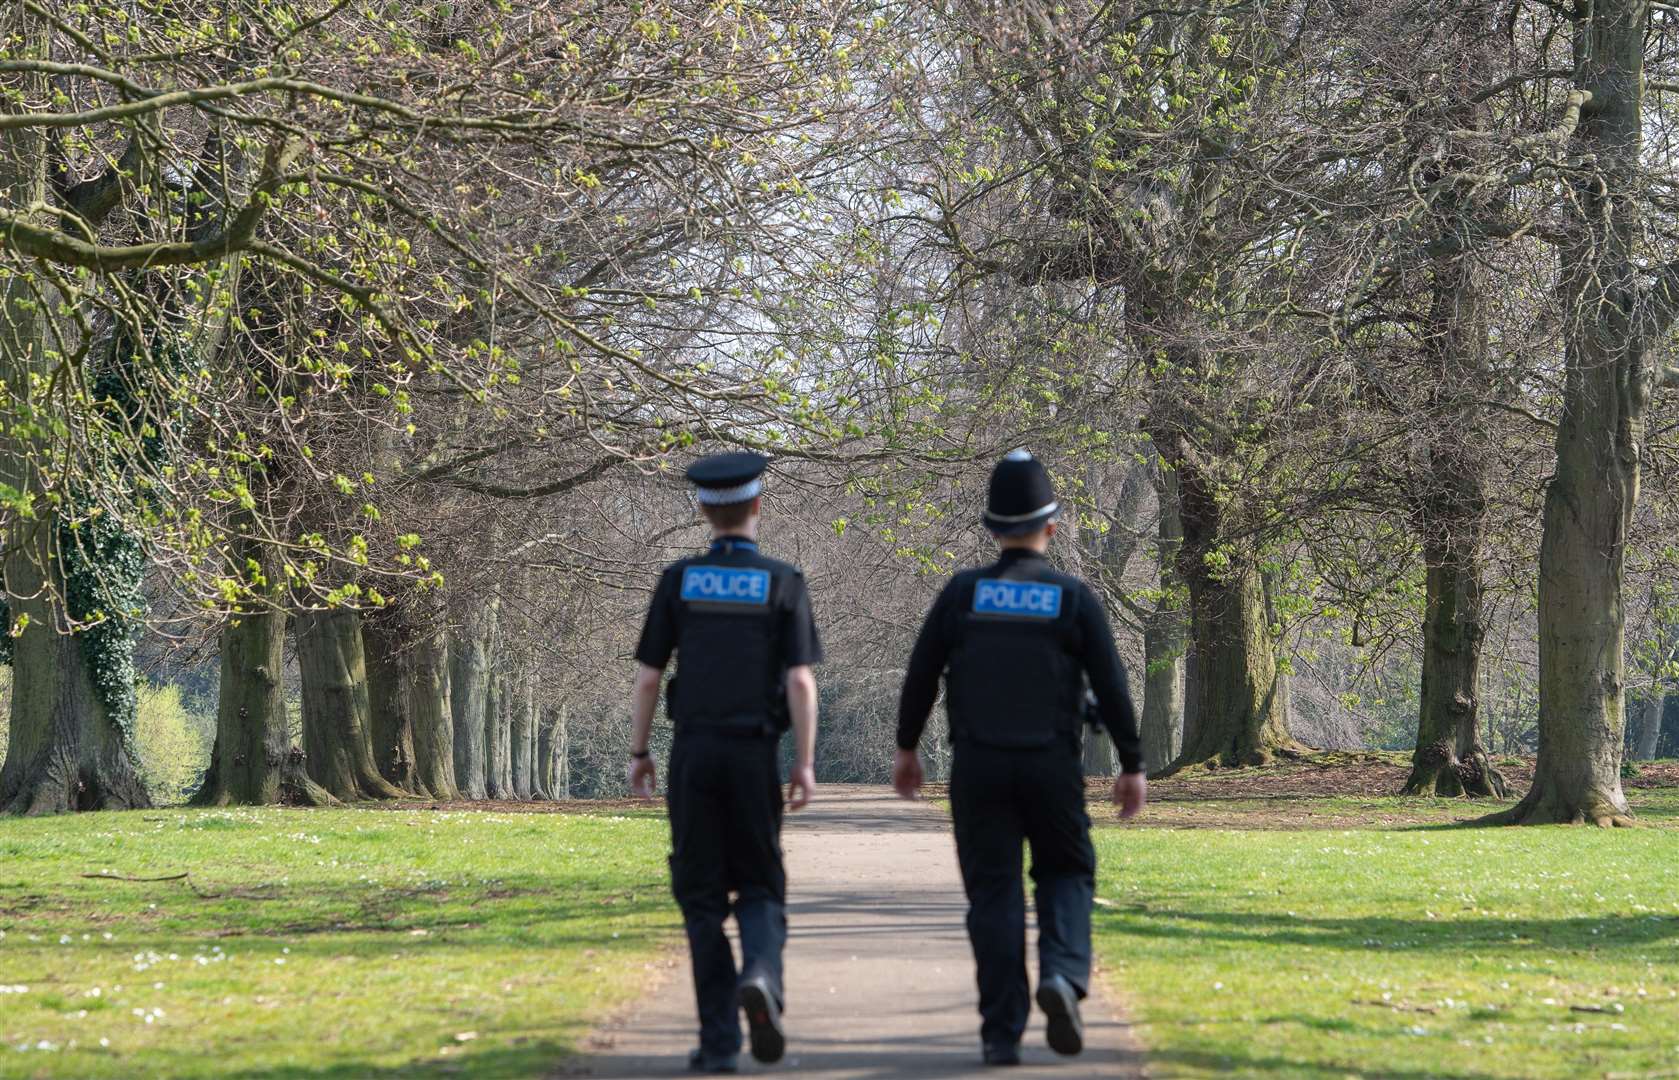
(350, 355)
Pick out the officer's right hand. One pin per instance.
(801, 786)
(907, 774)
(643, 777)
(1130, 793)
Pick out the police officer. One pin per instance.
(741, 628)
(1015, 642)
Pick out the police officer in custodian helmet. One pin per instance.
(1015, 642)
(741, 628)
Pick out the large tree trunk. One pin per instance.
(1098, 753)
(64, 751)
(498, 759)
(1241, 705)
(253, 762)
(523, 730)
(390, 706)
(1242, 718)
(542, 780)
(1450, 512)
(1449, 758)
(336, 720)
(1647, 727)
(1240, 702)
(426, 677)
(556, 751)
(470, 649)
(408, 683)
(1164, 638)
(1608, 380)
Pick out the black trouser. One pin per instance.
(725, 821)
(997, 799)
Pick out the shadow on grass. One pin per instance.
(1443, 935)
(1170, 1061)
(531, 1058)
(334, 919)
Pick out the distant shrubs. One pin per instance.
(173, 741)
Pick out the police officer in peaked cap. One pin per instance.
(740, 626)
(1015, 642)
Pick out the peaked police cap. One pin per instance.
(725, 479)
(1021, 498)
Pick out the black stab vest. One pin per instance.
(1013, 679)
(729, 675)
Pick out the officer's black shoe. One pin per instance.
(701, 1062)
(763, 1019)
(1002, 1053)
(1060, 1004)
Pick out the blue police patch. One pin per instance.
(726, 585)
(1022, 599)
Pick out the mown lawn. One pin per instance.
(1410, 951)
(350, 943)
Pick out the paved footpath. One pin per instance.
(880, 981)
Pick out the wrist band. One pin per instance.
(643, 754)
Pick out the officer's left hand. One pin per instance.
(800, 787)
(907, 774)
(1130, 793)
(643, 777)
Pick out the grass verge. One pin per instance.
(344, 943)
(1405, 952)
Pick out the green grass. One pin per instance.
(1654, 807)
(348, 943)
(1402, 953)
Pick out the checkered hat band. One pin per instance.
(724, 496)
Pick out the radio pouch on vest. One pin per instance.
(727, 652)
(1012, 682)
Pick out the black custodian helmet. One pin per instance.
(1021, 499)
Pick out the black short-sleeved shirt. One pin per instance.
(788, 597)
(1093, 649)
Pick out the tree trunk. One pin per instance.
(535, 740)
(1608, 380)
(498, 771)
(1240, 709)
(1191, 693)
(1098, 753)
(523, 728)
(64, 751)
(427, 681)
(556, 743)
(1449, 489)
(1449, 758)
(253, 761)
(1242, 720)
(1239, 704)
(408, 684)
(336, 720)
(470, 649)
(390, 705)
(542, 782)
(1163, 639)
(1647, 727)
